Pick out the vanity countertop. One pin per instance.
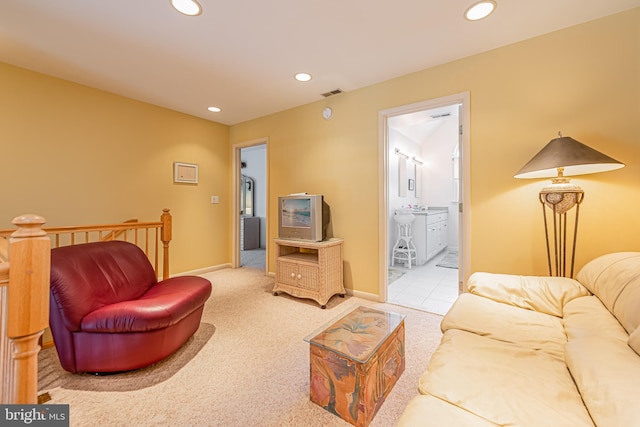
(431, 211)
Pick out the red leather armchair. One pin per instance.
(108, 312)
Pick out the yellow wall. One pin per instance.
(77, 155)
(583, 81)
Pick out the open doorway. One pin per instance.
(250, 205)
(423, 149)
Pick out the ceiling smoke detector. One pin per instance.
(331, 93)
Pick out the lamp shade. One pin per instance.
(571, 155)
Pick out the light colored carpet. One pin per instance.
(247, 365)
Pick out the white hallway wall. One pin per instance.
(256, 160)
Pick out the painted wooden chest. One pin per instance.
(355, 362)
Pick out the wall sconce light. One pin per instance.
(560, 158)
(401, 154)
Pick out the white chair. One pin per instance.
(404, 250)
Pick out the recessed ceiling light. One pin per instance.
(187, 7)
(303, 77)
(480, 10)
(214, 109)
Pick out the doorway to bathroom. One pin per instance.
(250, 198)
(423, 146)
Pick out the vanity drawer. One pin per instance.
(433, 218)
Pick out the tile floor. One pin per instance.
(426, 287)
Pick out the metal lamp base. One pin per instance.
(560, 197)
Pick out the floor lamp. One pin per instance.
(560, 158)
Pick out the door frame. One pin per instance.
(235, 205)
(464, 224)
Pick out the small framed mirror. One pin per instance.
(246, 195)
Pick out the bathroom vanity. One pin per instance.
(430, 233)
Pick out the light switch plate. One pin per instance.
(214, 199)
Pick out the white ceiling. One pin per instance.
(420, 125)
(241, 55)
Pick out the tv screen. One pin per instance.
(296, 213)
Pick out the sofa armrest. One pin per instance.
(543, 294)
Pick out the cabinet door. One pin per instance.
(299, 275)
(419, 233)
(444, 234)
(308, 277)
(287, 273)
(432, 240)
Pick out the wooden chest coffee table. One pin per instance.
(355, 362)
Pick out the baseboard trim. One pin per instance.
(363, 295)
(203, 270)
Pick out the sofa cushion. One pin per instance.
(98, 274)
(587, 317)
(544, 294)
(634, 340)
(503, 322)
(503, 383)
(438, 413)
(606, 372)
(165, 304)
(615, 279)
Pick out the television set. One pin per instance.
(303, 217)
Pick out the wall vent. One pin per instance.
(331, 93)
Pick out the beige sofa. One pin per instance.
(538, 351)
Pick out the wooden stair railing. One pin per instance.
(114, 235)
(146, 235)
(24, 304)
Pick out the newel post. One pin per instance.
(28, 306)
(165, 218)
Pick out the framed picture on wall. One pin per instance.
(412, 184)
(185, 173)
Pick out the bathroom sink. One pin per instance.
(404, 216)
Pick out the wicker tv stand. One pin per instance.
(309, 269)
